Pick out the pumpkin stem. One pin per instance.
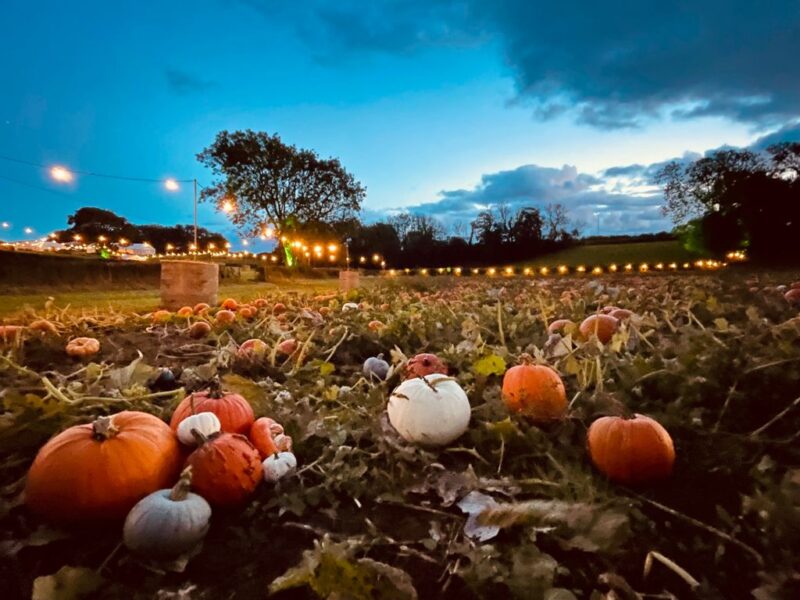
(103, 428)
(181, 489)
(199, 437)
(525, 359)
(215, 389)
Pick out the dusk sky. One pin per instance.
(438, 107)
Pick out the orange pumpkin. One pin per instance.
(424, 364)
(325, 311)
(558, 325)
(9, 333)
(252, 349)
(268, 437)
(83, 347)
(43, 326)
(234, 412)
(603, 326)
(229, 304)
(793, 296)
(200, 329)
(279, 308)
(100, 470)
(375, 325)
(226, 469)
(161, 316)
(631, 451)
(185, 311)
(260, 303)
(225, 317)
(200, 308)
(535, 391)
(247, 312)
(287, 346)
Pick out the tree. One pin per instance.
(272, 183)
(741, 199)
(556, 222)
(526, 228)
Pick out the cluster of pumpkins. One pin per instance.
(792, 293)
(122, 466)
(430, 408)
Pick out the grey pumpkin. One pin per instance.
(376, 368)
(167, 523)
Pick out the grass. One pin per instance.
(148, 300)
(605, 254)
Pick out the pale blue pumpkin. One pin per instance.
(167, 523)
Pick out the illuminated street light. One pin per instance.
(228, 206)
(101, 238)
(172, 185)
(212, 246)
(77, 237)
(361, 259)
(61, 174)
(331, 248)
(170, 247)
(245, 243)
(375, 258)
(122, 241)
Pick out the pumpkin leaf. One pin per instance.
(68, 583)
(136, 373)
(491, 364)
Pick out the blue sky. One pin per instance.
(442, 107)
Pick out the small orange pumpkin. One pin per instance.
(424, 364)
(225, 317)
(375, 325)
(252, 349)
(83, 347)
(278, 308)
(10, 333)
(324, 311)
(43, 326)
(260, 303)
(229, 304)
(631, 451)
(200, 308)
(200, 329)
(185, 311)
(268, 437)
(234, 412)
(603, 326)
(534, 390)
(287, 346)
(161, 316)
(226, 469)
(100, 470)
(247, 312)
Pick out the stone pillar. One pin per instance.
(348, 280)
(186, 282)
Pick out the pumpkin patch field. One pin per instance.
(627, 437)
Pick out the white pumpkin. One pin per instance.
(349, 306)
(167, 523)
(206, 423)
(430, 411)
(278, 465)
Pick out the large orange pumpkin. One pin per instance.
(100, 470)
(603, 326)
(226, 469)
(631, 451)
(534, 390)
(234, 412)
(268, 437)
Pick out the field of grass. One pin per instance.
(146, 300)
(604, 254)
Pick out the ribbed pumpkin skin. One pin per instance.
(603, 326)
(225, 469)
(234, 412)
(76, 477)
(535, 391)
(631, 451)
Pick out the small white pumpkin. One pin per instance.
(278, 465)
(349, 306)
(430, 411)
(206, 423)
(167, 523)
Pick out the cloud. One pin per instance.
(183, 83)
(609, 64)
(787, 133)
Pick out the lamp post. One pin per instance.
(194, 181)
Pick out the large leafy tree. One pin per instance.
(739, 198)
(271, 183)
